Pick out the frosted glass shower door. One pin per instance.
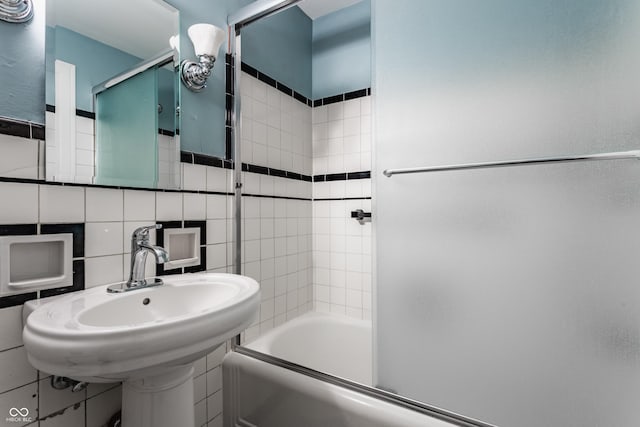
(127, 132)
(509, 295)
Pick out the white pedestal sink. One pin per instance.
(147, 338)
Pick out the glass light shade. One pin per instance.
(174, 42)
(206, 39)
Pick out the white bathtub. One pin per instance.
(333, 344)
(258, 393)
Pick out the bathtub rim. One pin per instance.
(266, 339)
(265, 343)
(387, 396)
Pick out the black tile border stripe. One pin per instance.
(19, 299)
(268, 80)
(21, 128)
(246, 167)
(359, 175)
(255, 73)
(229, 104)
(355, 94)
(342, 176)
(82, 113)
(161, 190)
(249, 69)
(266, 196)
(78, 281)
(38, 132)
(285, 89)
(265, 78)
(201, 159)
(332, 99)
(229, 66)
(203, 262)
(112, 187)
(89, 115)
(76, 229)
(347, 96)
(227, 165)
(329, 199)
(278, 172)
(18, 229)
(202, 225)
(186, 157)
(205, 160)
(86, 114)
(336, 177)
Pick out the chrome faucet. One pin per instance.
(140, 248)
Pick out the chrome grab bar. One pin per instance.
(635, 154)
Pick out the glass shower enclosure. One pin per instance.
(508, 295)
(127, 132)
(137, 125)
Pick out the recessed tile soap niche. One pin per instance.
(183, 246)
(30, 263)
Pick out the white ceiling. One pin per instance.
(317, 8)
(141, 27)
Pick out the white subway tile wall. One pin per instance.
(110, 215)
(20, 157)
(24, 202)
(168, 156)
(305, 253)
(341, 245)
(168, 162)
(85, 151)
(341, 258)
(342, 137)
(277, 253)
(276, 245)
(276, 128)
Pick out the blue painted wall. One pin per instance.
(281, 47)
(22, 68)
(203, 114)
(342, 50)
(95, 62)
(22, 71)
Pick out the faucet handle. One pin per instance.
(143, 232)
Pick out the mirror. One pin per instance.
(112, 93)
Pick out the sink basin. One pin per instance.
(147, 338)
(101, 337)
(169, 302)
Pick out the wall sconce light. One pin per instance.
(206, 40)
(16, 11)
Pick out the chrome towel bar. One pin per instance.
(635, 154)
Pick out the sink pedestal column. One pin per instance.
(164, 400)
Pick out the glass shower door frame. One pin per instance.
(236, 22)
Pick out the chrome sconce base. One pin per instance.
(194, 75)
(16, 11)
